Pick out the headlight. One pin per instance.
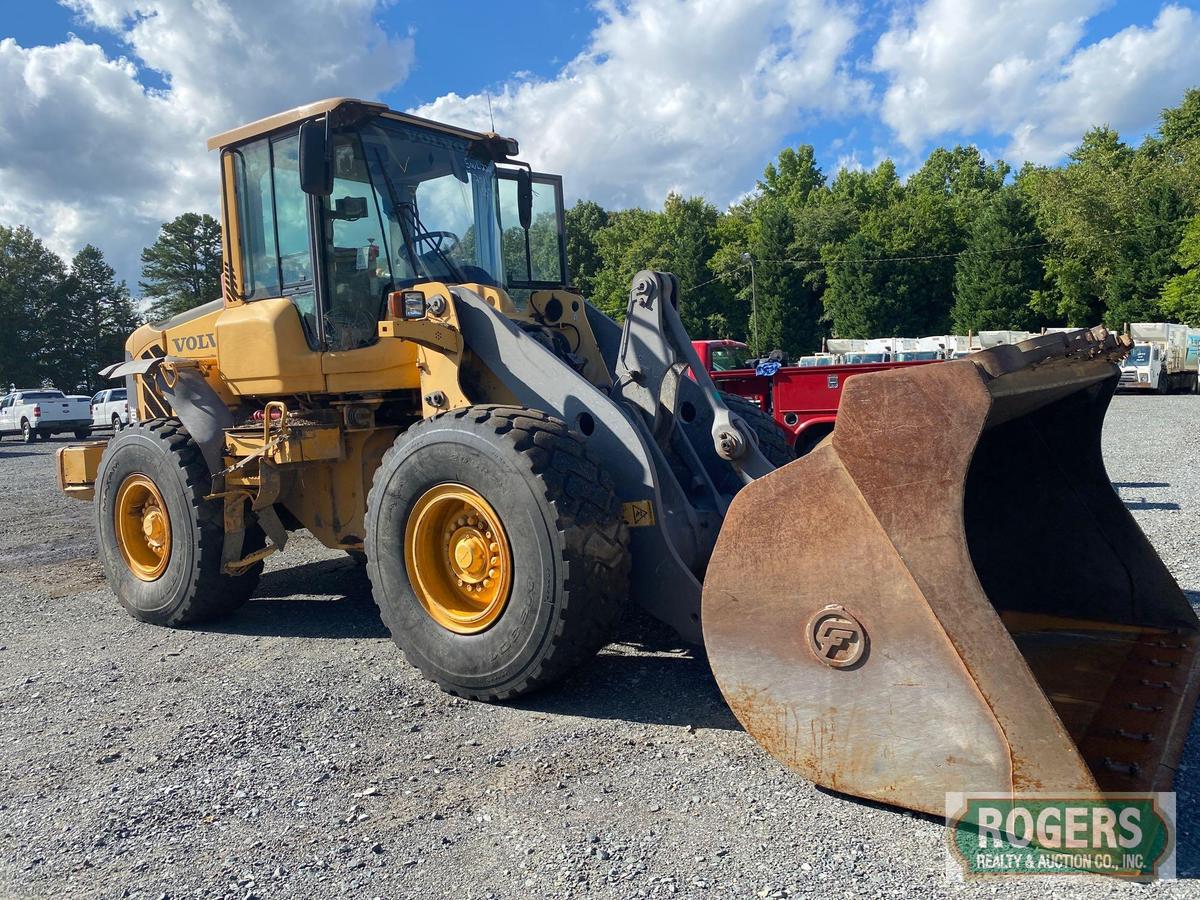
(1145, 376)
(406, 305)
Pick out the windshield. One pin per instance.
(1139, 355)
(41, 395)
(726, 358)
(407, 205)
(916, 355)
(438, 204)
(858, 358)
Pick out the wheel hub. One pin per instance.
(458, 558)
(142, 527)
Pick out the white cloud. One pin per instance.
(672, 95)
(1014, 69)
(1123, 81)
(962, 65)
(88, 154)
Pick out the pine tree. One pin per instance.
(993, 290)
(31, 281)
(182, 269)
(105, 313)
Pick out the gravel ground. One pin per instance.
(290, 750)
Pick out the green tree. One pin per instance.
(894, 276)
(182, 269)
(793, 176)
(32, 285)
(689, 232)
(1181, 294)
(993, 286)
(1181, 124)
(1113, 217)
(104, 315)
(681, 239)
(583, 220)
(633, 240)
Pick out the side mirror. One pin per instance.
(316, 174)
(525, 198)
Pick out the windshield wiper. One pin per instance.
(410, 242)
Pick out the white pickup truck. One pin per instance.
(40, 413)
(110, 407)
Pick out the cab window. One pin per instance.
(256, 213)
(273, 215)
(537, 259)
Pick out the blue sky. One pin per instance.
(628, 99)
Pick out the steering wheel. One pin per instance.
(442, 241)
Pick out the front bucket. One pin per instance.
(950, 596)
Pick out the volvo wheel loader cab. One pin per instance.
(399, 365)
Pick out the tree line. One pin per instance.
(64, 321)
(962, 244)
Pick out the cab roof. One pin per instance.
(357, 108)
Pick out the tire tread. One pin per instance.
(210, 594)
(587, 515)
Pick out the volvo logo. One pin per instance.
(195, 342)
(836, 638)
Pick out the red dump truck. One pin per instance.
(803, 399)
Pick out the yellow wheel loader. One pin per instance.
(945, 595)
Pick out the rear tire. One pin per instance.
(28, 435)
(116, 423)
(773, 441)
(190, 587)
(559, 516)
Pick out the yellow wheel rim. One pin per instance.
(458, 558)
(143, 527)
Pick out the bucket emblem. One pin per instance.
(836, 638)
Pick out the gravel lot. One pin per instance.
(290, 751)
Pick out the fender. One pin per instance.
(192, 400)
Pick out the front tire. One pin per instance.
(517, 487)
(160, 540)
(82, 433)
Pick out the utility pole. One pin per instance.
(753, 301)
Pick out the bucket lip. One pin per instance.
(1084, 343)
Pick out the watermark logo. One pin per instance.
(1120, 835)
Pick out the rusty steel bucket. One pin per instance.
(948, 595)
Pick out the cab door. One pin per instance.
(358, 277)
(269, 333)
